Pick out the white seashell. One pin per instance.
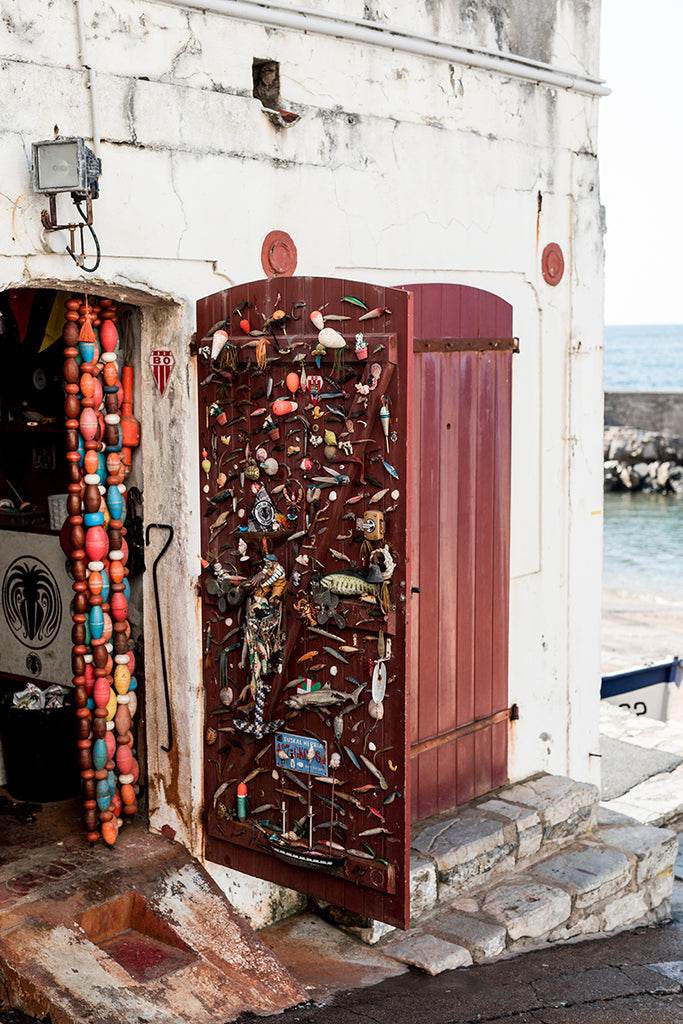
(270, 466)
(332, 495)
(329, 338)
(333, 670)
(376, 710)
(395, 495)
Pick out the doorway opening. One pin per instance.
(52, 468)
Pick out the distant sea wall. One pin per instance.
(643, 441)
(659, 411)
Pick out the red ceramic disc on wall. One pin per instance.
(552, 264)
(278, 254)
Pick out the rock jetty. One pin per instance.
(642, 460)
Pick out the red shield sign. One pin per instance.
(162, 362)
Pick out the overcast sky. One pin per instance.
(641, 160)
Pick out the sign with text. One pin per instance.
(301, 754)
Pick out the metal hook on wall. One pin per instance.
(167, 697)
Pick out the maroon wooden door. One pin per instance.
(304, 513)
(460, 545)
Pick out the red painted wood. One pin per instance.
(233, 755)
(462, 547)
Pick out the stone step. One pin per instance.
(480, 841)
(618, 876)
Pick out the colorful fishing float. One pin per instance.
(99, 427)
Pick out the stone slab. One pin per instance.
(463, 848)
(656, 849)
(431, 954)
(671, 969)
(423, 885)
(625, 765)
(658, 800)
(564, 806)
(588, 873)
(528, 909)
(607, 817)
(324, 959)
(625, 911)
(483, 939)
(527, 822)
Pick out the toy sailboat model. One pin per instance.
(291, 846)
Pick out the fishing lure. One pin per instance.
(352, 757)
(375, 771)
(372, 314)
(335, 654)
(308, 656)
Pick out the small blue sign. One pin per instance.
(300, 754)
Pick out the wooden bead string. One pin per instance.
(104, 695)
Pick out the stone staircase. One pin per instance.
(533, 864)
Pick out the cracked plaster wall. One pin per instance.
(399, 169)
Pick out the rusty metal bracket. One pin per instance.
(167, 696)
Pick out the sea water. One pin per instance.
(644, 358)
(643, 545)
(643, 533)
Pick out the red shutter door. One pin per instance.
(293, 641)
(460, 545)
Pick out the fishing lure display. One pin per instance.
(303, 582)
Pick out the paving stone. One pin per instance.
(429, 953)
(528, 908)
(658, 799)
(465, 848)
(527, 822)
(626, 910)
(590, 925)
(467, 904)
(678, 863)
(589, 873)
(671, 969)
(655, 848)
(597, 984)
(483, 939)
(422, 839)
(660, 889)
(565, 807)
(423, 886)
(607, 816)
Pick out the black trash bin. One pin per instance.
(40, 752)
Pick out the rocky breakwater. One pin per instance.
(642, 460)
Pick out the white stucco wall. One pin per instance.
(401, 168)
